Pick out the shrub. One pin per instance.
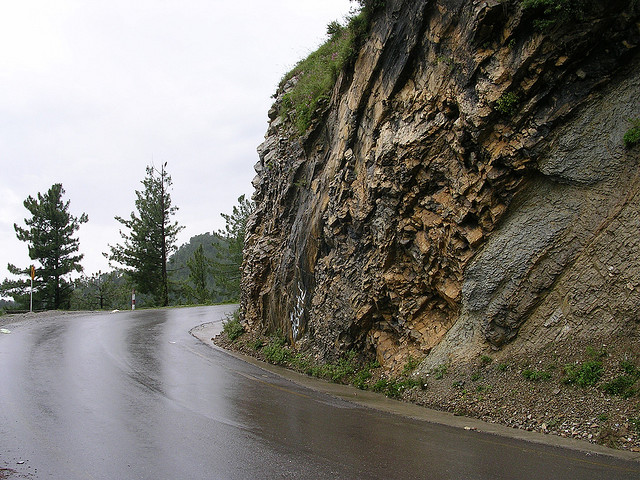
(232, 327)
(507, 104)
(632, 137)
(584, 375)
(439, 372)
(551, 13)
(535, 375)
(344, 367)
(395, 388)
(301, 362)
(621, 386)
(411, 365)
(629, 368)
(361, 378)
(275, 352)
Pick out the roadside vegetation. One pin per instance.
(314, 77)
(350, 369)
(547, 394)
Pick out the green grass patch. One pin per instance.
(548, 14)
(486, 359)
(584, 375)
(316, 75)
(439, 372)
(275, 351)
(507, 104)
(535, 375)
(621, 386)
(232, 326)
(624, 385)
(630, 369)
(394, 388)
(632, 136)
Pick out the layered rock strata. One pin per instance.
(465, 186)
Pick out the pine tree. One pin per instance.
(151, 237)
(199, 266)
(49, 235)
(226, 268)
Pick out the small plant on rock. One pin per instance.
(551, 13)
(584, 375)
(232, 326)
(275, 352)
(622, 386)
(535, 375)
(632, 137)
(411, 365)
(507, 104)
(486, 359)
(439, 372)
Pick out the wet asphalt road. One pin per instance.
(132, 395)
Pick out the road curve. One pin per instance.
(132, 395)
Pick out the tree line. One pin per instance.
(147, 259)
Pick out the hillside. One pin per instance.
(463, 199)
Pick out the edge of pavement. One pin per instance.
(368, 399)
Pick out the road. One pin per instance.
(133, 395)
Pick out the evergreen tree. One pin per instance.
(49, 235)
(151, 237)
(199, 266)
(181, 285)
(226, 267)
(109, 290)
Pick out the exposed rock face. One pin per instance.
(425, 213)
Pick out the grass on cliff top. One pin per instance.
(316, 75)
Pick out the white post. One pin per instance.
(133, 299)
(33, 274)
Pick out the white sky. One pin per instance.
(92, 91)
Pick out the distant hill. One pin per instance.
(213, 245)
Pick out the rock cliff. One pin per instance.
(465, 188)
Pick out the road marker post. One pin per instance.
(33, 274)
(133, 299)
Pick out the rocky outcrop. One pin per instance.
(466, 187)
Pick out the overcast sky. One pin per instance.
(91, 92)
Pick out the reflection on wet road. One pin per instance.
(133, 395)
